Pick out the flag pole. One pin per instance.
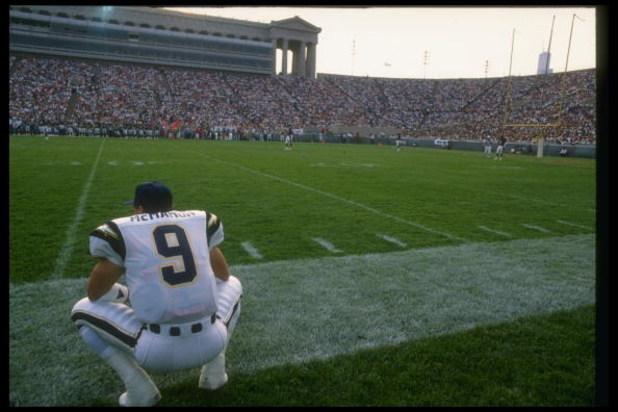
(549, 46)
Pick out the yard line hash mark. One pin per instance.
(498, 232)
(391, 239)
(564, 222)
(342, 199)
(538, 228)
(251, 250)
(326, 244)
(67, 249)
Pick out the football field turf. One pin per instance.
(359, 263)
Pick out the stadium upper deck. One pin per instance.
(156, 36)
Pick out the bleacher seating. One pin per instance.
(61, 93)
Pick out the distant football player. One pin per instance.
(487, 146)
(500, 148)
(184, 304)
(288, 141)
(399, 142)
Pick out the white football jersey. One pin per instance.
(166, 256)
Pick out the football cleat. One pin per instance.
(213, 374)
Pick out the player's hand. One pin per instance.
(117, 293)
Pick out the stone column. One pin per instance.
(301, 59)
(311, 58)
(295, 57)
(284, 58)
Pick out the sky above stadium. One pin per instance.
(437, 42)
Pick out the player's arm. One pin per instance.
(107, 245)
(103, 280)
(214, 234)
(219, 264)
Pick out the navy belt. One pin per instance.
(178, 330)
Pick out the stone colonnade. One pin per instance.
(303, 57)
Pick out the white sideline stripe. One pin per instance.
(67, 249)
(251, 250)
(539, 228)
(342, 199)
(326, 244)
(299, 310)
(498, 232)
(392, 239)
(564, 222)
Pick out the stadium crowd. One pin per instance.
(76, 97)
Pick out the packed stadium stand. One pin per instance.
(62, 93)
(56, 92)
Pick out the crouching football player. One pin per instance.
(184, 304)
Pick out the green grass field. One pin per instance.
(371, 276)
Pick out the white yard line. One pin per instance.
(342, 199)
(326, 244)
(564, 222)
(391, 239)
(251, 250)
(67, 249)
(498, 232)
(537, 228)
